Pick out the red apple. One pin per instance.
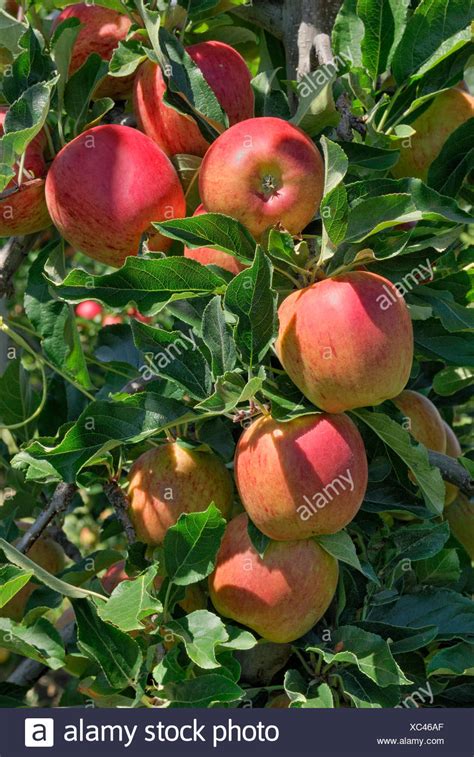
(346, 342)
(88, 310)
(301, 478)
(207, 256)
(23, 207)
(101, 31)
(263, 171)
(423, 420)
(106, 187)
(447, 111)
(227, 74)
(170, 480)
(453, 449)
(280, 596)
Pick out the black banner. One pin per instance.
(91, 732)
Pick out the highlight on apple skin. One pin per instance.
(23, 207)
(280, 596)
(208, 256)
(106, 187)
(263, 171)
(227, 74)
(301, 478)
(346, 342)
(170, 480)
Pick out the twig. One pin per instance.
(118, 116)
(348, 121)
(120, 504)
(70, 549)
(59, 503)
(12, 255)
(452, 471)
(264, 13)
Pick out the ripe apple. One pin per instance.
(23, 207)
(447, 111)
(227, 74)
(47, 554)
(263, 171)
(346, 342)
(424, 422)
(280, 596)
(460, 516)
(194, 597)
(301, 478)
(170, 480)
(101, 31)
(88, 310)
(453, 449)
(106, 187)
(208, 256)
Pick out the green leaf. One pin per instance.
(187, 89)
(314, 695)
(455, 161)
(11, 581)
(126, 58)
(231, 391)
(270, 100)
(217, 336)
(258, 540)
(453, 316)
(452, 613)
(176, 356)
(40, 641)
(191, 546)
(365, 156)
(347, 33)
(24, 121)
(203, 691)
(341, 547)
(402, 640)
(117, 654)
(432, 23)
(439, 570)
(365, 694)
(334, 207)
(101, 427)
(450, 380)
(62, 44)
(131, 602)
(149, 285)
(249, 296)
(455, 660)
(369, 652)
(432, 341)
(11, 31)
(413, 454)
(32, 66)
(202, 632)
(214, 230)
(80, 88)
(17, 399)
(384, 21)
(316, 108)
(54, 321)
(417, 542)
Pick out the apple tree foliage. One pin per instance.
(71, 410)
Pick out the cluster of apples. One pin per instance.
(346, 342)
(106, 187)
